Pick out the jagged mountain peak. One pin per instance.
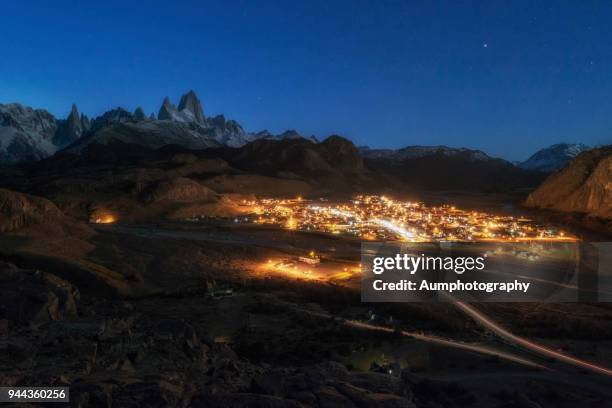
(74, 118)
(167, 111)
(191, 103)
(117, 115)
(139, 114)
(72, 128)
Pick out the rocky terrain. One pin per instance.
(143, 320)
(124, 276)
(583, 186)
(22, 212)
(118, 348)
(127, 354)
(26, 134)
(144, 313)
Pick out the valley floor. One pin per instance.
(193, 315)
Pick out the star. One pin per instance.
(485, 45)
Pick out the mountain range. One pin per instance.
(183, 163)
(28, 134)
(447, 168)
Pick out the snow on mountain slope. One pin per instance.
(25, 133)
(554, 157)
(153, 134)
(415, 152)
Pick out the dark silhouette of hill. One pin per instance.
(461, 170)
(299, 156)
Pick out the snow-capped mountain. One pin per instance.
(26, 134)
(448, 168)
(554, 157)
(170, 112)
(226, 132)
(415, 152)
(287, 134)
(223, 131)
(150, 133)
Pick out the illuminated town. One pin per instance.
(381, 218)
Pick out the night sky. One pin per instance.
(505, 77)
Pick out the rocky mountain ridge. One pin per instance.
(28, 134)
(448, 168)
(554, 157)
(414, 152)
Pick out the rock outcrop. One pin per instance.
(27, 214)
(18, 211)
(33, 297)
(583, 186)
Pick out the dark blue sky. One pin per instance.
(505, 77)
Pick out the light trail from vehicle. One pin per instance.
(525, 343)
(476, 348)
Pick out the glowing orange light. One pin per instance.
(105, 219)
